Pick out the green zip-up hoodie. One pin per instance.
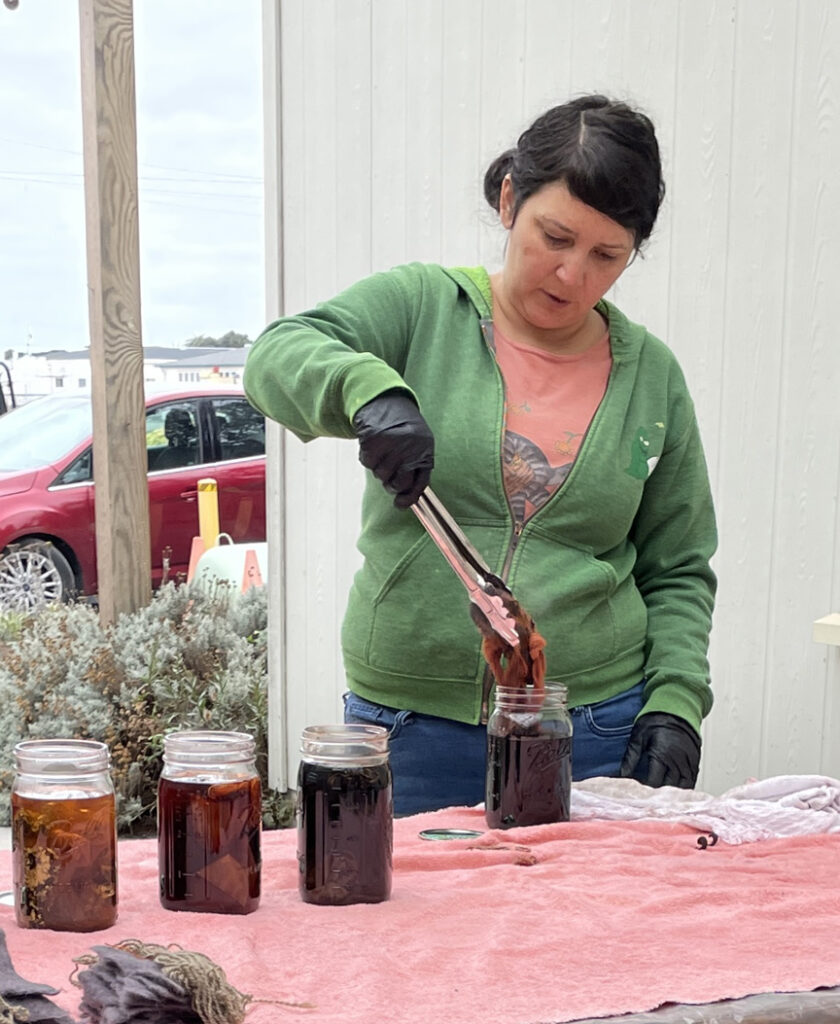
(614, 568)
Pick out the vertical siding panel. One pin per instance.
(292, 34)
(311, 648)
(698, 189)
(502, 118)
(461, 200)
(352, 128)
(327, 226)
(699, 198)
(807, 425)
(389, 132)
(549, 36)
(597, 51)
(353, 173)
(754, 310)
(423, 141)
(319, 155)
(302, 599)
(322, 217)
(830, 746)
(293, 118)
(830, 752)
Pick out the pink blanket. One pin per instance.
(543, 924)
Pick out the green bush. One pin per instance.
(193, 658)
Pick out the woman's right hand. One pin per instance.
(396, 445)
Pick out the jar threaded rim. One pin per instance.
(205, 747)
(61, 756)
(345, 743)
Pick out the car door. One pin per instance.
(175, 449)
(73, 516)
(237, 431)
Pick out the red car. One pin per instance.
(47, 523)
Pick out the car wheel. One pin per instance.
(34, 573)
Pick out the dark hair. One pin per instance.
(604, 152)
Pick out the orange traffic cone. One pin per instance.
(196, 551)
(251, 575)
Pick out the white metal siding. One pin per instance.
(391, 110)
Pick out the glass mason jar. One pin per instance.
(64, 836)
(209, 817)
(345, 814)
(529, 757)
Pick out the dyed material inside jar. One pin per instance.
(64, 863)
(209, 845)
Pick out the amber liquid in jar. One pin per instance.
(64, 865)
(209, 845)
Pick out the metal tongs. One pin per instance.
(484, 587)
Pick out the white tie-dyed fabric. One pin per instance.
(773, 808)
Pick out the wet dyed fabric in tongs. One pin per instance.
(511, 644)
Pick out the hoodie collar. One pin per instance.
(625, 337)
(475, 283)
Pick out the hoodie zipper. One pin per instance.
(518, 527)
(488, 681)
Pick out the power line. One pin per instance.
(78, 176)
(156, 167)
(187, 203)
(143, 190)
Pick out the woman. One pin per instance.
(561, 437)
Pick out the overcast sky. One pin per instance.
(199, 140)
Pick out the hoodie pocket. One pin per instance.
(418, 623)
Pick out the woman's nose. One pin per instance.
(569, 270)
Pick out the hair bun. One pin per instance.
(495, 175)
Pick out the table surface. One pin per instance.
(582, 921)
(821, 1006)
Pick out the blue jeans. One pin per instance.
(438, 762)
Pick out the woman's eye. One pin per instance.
(608, 257)
(554, 240)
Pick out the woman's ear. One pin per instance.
(506, 203)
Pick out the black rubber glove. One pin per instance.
(663, 750)
(396, 444)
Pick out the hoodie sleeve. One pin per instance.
(675, 537)
(312, 372)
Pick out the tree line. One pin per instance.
(233, 339)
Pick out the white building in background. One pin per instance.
(197, 366)
(382, 157)
(44, 373)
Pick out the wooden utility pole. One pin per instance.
(116, 348)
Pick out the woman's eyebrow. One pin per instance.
(558, 224)
(562, 227)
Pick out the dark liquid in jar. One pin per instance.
(345, 833)
(529, 780)
(209, 845)
(64, 863)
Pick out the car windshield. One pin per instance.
(41, 432)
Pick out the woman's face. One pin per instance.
(562, 257)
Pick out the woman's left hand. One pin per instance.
(663, 750)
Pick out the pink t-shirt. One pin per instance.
(550, 400)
